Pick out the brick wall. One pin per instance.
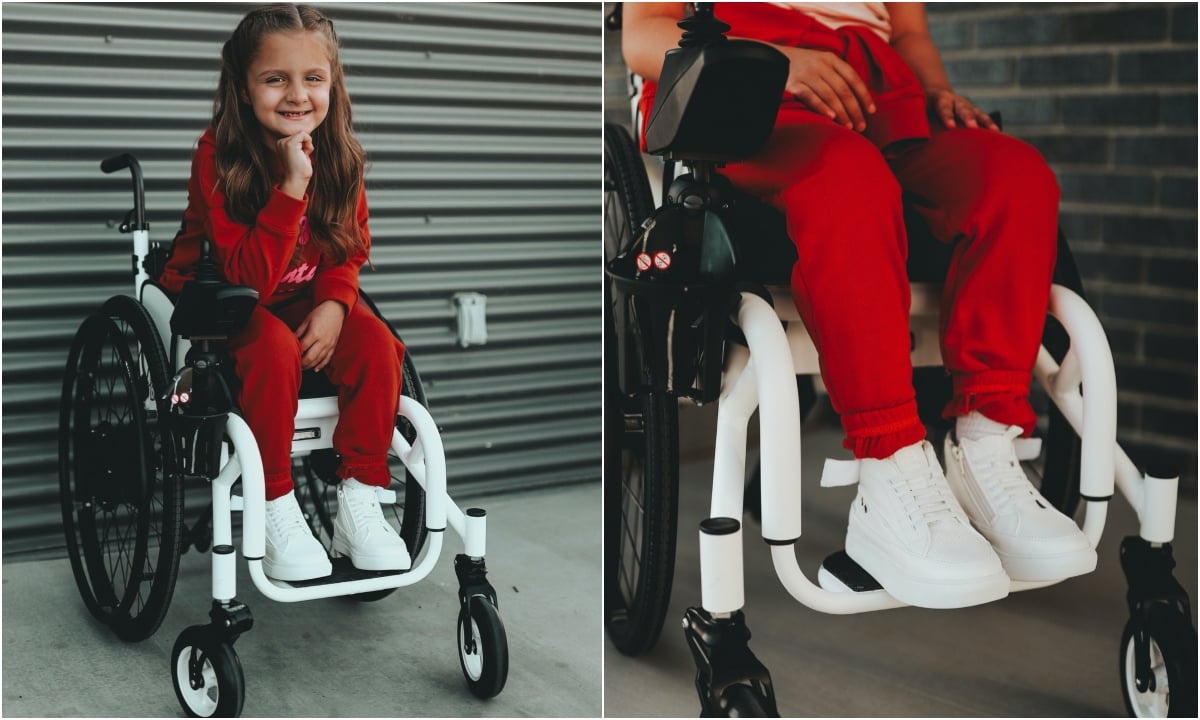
(1107, 92)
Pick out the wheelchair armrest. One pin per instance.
(212, 310)
(716, 102)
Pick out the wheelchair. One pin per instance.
(147, 410)
(697, 307)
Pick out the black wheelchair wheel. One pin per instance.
(482, 647)
(1172, 645)
(641, 436)
(627, 197)
(207, 674)
(119, 484)
(316, 485)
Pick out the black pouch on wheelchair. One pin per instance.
(672, 294)
(716, 102)
(201, 400)
(208, 311)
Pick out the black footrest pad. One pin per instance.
(344, 571)
(850, 573)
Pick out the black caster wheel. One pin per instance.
(482, 647)
(207, 674)
(119, 482)
(1171, 690)
(743, 701)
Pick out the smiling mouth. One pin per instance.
(295, 115)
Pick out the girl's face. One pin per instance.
(288, 84)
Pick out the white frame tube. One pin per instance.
(1093, 415)
(820, 599)
(722, 587)
(474, 533)
(425, 459)
(739, 398)
(779, 418)
(141, 248)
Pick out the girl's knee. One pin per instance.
(851, 166)
(368, 341)
(1017, 169)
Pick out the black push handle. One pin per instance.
(119, 162)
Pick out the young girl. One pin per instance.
(868, 116)
(277, 187)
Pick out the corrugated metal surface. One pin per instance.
(483, 127)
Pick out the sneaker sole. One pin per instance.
(389, 562)
(933, 593)
(296, 573)
(1034, 568)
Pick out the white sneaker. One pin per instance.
(292, 551)
(361, 532)
(1033, 539)
(909, 533)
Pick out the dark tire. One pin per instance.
(119, 484)
(627, 197)
(207, 674)
(316, 486)
(482, 647)
(1172, 661)
(641, 464)
(739, 701)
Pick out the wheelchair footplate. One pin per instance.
(343, 571)
(839, 573)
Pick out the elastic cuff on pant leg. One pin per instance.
(278, 484)
(366, 471)
(880, 433)
(1003, 402)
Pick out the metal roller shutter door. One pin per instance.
(482, 123)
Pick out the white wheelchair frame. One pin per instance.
(760, 376)
(424, 459)
(203, 654)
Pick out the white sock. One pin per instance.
(974, 426)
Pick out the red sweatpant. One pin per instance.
(365, 368)
(991, 195)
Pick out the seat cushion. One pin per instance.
(766, 254)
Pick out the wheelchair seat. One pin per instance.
(769, 258)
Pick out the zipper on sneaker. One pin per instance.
(979, 498)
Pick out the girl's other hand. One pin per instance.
(318, 334)
(296, 151)
(948, 105)
(828, 85)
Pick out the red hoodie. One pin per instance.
(259, 256)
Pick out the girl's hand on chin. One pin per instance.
(296, 151)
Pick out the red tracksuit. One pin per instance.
(365, 366)
(841, 192)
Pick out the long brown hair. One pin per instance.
(244, 163)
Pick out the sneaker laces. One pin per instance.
(925, 497)
(286, 519)
(363, 506)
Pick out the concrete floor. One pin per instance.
(337, 657)
(1042, 653)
